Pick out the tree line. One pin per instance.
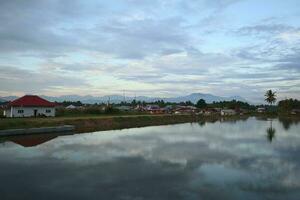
(270, 97)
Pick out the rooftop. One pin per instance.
(31, 100)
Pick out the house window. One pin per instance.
(48, 111)
(20, 111)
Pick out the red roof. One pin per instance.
(31, 100)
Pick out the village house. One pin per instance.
(227, 112)
(185, 109)
(261, 110)
(295, 112)
(154, 109)
(29, 106)
(140, 108)
(210, 111)
(124, 108)
(71, 107)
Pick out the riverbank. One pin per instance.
(101, 123)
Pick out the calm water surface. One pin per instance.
(251, 159)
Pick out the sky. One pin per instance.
(156, 48)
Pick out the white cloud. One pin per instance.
(290, 37)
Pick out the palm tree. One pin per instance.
(270, 97)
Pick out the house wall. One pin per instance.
(228, 112)
(29, 111)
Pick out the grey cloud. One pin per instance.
(216, 5)
(288, 66)
(27, 26)
(221, 4)
(264, 29)
(40, 27)
(140, 38)
(21, 80)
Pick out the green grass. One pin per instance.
(92, 122)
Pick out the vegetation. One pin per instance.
(232, 105)
(287, 105)
(201, 104)
(270, 97)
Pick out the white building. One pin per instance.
(30, 106)
(226, 112)
(71, 107)
(261, 109)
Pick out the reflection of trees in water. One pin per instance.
(212, 120)
(286, 123)
(202, 123)
(271, 132)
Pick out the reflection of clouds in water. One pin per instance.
(215, 160)
(169, 143)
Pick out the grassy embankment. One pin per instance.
(97, 122)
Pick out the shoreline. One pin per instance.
(103, 123)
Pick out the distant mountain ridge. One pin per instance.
(194, 97)
(7, 98)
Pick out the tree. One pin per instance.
(133, 103)
(270, 97)
(201, 103)
(288, 104)
(189, 103)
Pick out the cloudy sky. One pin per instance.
(150, 47)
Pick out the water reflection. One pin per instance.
(271, 132)
(202, 123)
(288, 122)
(32, 140)
(217, 160)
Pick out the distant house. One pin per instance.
(29, 106)
(185, 109)
(124, 108)
(70, 107)
(168, 109)
(227, 112)
(140, 108)
(261, 109)
(295, 112)
(154, 109)
(210, 111)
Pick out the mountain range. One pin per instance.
(194, 97)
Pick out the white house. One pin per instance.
(124, 108)
(225, 112)
(30, 106)
(71, 107)
(261, 109)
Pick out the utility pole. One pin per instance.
(124, 96)
(108, 102)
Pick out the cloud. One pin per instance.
(145, 45)
(264, 29)
(136, 39)
(18, 80)
(290, 36)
